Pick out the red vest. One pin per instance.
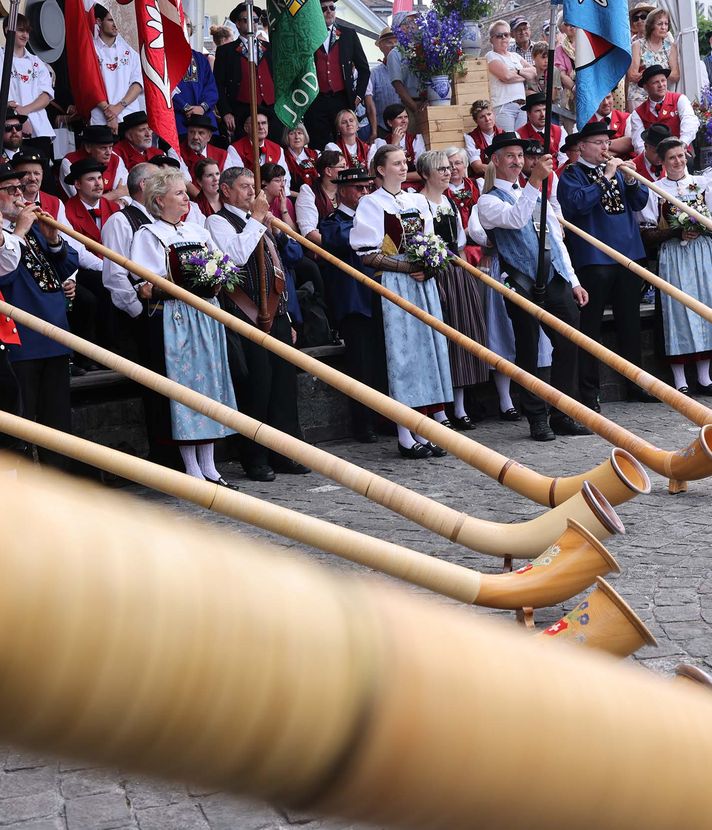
(328, 69)
(617, 122)
(48, 203)
(527, 131)
(303, 172)
(271, 151)
(465, 199)
(191, 158)
(81, 220)
(667, 113)
(8, 329)
(640, 166)
(478, 137)
(409, 149)
(111, 168)
(131, 156)
(265, 84)
(361, 158)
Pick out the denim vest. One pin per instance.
(520, 248)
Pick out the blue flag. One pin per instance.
(602, 50)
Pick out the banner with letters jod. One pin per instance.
(603, 50)
(297, 30)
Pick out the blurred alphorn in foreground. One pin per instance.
(605, 621)
(520, 540)
(542, 489)
(565, 569)
(170, 648)
(691, 674)
(683, 206)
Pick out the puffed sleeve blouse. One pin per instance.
(369, 231)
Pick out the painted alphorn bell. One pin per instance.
(568, 567)
(611, 476)
(692, 463)
(604, 621)
(690, 408)
(521, 540)
(130, 641)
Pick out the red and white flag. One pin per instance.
(84, 75)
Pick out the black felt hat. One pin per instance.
(28, 155)
(11, 115)
(133, 119)
(651, 72)
(572, 141)
(6, 173)
(353, 175)
(506, 140)
(533, 148)
(655, 134)
(79, 168)
(532, 100)
(165, 161)
(200, 121)
(595, 128)
(98, 134)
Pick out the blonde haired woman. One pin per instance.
(508, 73)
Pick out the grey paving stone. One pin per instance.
(143, 793)
(89, 782)
(103, 811)
(19, 808)
(57, 823)
(184, 816)
(28, 781)
(226, 813)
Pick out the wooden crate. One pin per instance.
(441, 127)
(472, 84)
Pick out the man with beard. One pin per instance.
(136, 146)
(12, 140)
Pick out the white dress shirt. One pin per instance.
(121, 176)
(689, 123)
(120, 66)
(117, 234)
(9, 252)
(473, 151)
(238, 246)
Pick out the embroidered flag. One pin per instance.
(84, 75)
(603, 50)
(297, 30)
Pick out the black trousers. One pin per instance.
(559, 302)
(365, 361)
(10, 398)
(44, 386)
(92, 314)
(616, 285)
(266, 389)
(319, 118)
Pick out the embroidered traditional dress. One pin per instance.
(417, 356)
(356, 154)
(688, 266)
(195, 350)
(302, 167)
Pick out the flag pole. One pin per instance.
(263, 320)
(542, 263)
(7, 65)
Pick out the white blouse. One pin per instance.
(147, 249)
(418, 146)
(368, 231)
(501, 93)
(306, 210)
(120, 66)
(444, 208)
(30, 77)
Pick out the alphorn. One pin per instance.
(604, 621)
(688, 209)
(566, 568)
(542, 489)
(678, 467)
(170, 648)
(521, 540)
(681, 296)
(691, 674)
(690, 408)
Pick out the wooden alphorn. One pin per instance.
(565, 569)
(612, 476)
(521, 540)
(683, 206)
(134, 641)
(690, 408)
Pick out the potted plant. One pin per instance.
(433, 50)
(471, 11)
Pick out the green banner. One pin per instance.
(297, 30)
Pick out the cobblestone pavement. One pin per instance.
(666, 578)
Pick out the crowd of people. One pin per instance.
(355, 178)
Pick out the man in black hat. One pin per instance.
(12, 140)
(195, 146)
(599, 195)
(97, 142)
(533, 130)
(40, 284)
(617, 120)
(136, 144)
(673, 109)
(510, 215)
(354, 308)
(649, 165)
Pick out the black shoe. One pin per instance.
(435, 450)
(463, 424)
(446, 423)
(76, 371)
(541, 431)
(512, 414)
(368, 436)
(221, 481)
(260, 473)
(594, 405)
(416, 451)
(684, 390)
(641, 396)
(289, 467)
(704, 390)
(567, 426)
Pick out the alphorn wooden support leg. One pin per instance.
(524, 616)
(675, 486)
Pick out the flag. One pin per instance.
(84, 75)
(297, 30)
(603, 50)
(402, 6)
(165, 55)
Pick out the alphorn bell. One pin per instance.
(691, 674)
(604, 621)
(690, 408)
(170, 648)
(568, 567)
(520, 540)
(610, 476)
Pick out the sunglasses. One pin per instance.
(245, 19)
(501, 35)
(640, 16)
(330, 8)
(13, 128)
(13, 189)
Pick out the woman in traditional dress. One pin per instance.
(416, 355)
(186, 345)
(459, 294)
(300, 158)
(655, 48)
(207, 174)
(354, 150)
(479, 139)
(464, 192)
(395, 117)
(318, 200)
(686, 263)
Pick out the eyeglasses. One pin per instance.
(640, 16)
(604, 142)
(501, 35)
(443, 170)
(13, 189)
(330, 8)
(13, 128)
(245, 20)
